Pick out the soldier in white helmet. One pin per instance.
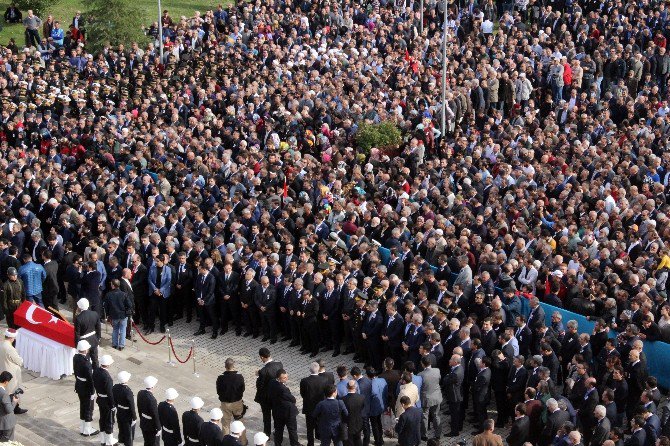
(83, 386)
(87, 326)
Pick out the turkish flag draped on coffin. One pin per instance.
(36, 319)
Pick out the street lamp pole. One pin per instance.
(421, 25)
(160, 30)
(444, 71)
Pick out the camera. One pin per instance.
(16, 393)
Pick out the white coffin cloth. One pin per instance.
(42, 355)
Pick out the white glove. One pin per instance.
(113, 409)
(181, 444)
(133, 423)
(92, 397)
(158, 434)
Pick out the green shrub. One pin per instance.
(383, 135)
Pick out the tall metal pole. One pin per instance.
(444, 70)
(421, 9)
(160, 30)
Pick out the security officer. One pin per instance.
(248, 290)
(147, 406)
(83, 386)
(126, 416)
(191, 422)
(169, 419)
(87, 326)
(309, 310)
(103, 383)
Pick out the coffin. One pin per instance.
(38, 320)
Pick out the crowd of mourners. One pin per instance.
(223, 184)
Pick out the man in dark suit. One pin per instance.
(392, 333)
(265, 302)
(330, 414)
(516, 383)
(555, 419)
(230, 301)
(183, 294)
(601, 431)
(140, 284)
(330, 320)
(265, 375)
(371, 333)
(652, 425)
(638, 436)
(205, 286)
(536, 316)
(481, 391)
(284, 410)
(365, 389)
(355, 403)
(409, 424)
(311, 391)
(453, 390)
(90, 287)
(308, 311)
(585, 417)
(523, 335)
(50, 288)
(247, 291)
(520, 427)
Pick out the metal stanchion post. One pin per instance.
(132, 335)
(195, 373)
(169, 361)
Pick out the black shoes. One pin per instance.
(274, 341)
(215, 335)
(199, 332)
(335, 354)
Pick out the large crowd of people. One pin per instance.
(223, 184)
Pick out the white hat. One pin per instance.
(83, 345)
(106, 360)
(150, 382)
(123, 377)
(83, 304)
(215, 414)
(236, 427)
(260, 439)
(197, 403)
(10, 333)
(171, 394)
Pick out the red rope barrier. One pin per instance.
(137, 330)
(190, 352)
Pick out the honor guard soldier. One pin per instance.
(211, 433)
(83, 386)
(87, 326)
(357, 326)
(147, 406)
(169, 419)
(126, 416)
(191, 422)
(103, 383)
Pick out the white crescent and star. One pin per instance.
(29, 316)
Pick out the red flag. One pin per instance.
(44, 323)
(285, 194)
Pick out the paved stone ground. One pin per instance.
(53, 416)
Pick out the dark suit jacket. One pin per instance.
(554, 421)
(205, 289)
(517, 379)
(453, 385)
(394, 331)
(409, 427)
(210, 434)
(265, 375)
(283, 402)
(636, 439)
(312, 392)
(518, 435)
(373, 328)
(329, 414)
(601, 432)
(481, 387)
(535, 318)
(354, 403)
(50, 284)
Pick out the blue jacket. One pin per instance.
(166, 280)
(379, 397)
(409, 427)
(32, 274)
(328, 414)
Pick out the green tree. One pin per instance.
(113, 22)
(39, 7)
